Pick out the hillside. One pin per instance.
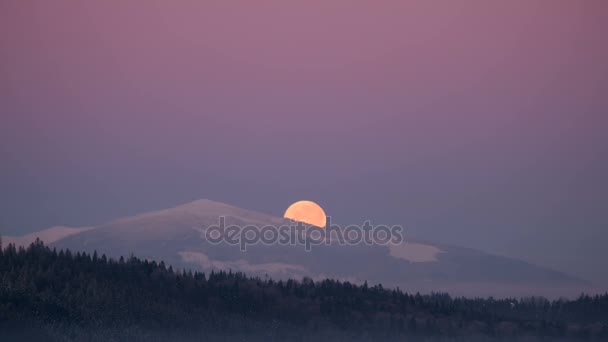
(175, 236)
(61, 293)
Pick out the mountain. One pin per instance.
(174, 235)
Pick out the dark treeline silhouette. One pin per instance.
(57, 289)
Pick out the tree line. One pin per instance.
(51, 288)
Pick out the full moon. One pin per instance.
(307, 212)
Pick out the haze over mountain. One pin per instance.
(174, 236)
(49, 235)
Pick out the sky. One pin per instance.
(475, 123)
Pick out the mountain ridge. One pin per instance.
(174, 235)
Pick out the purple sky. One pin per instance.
(476, 123)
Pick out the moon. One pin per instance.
(306, 212)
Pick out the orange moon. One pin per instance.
(307, 212)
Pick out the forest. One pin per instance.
(47, 294)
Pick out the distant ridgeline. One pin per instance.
(64, 294)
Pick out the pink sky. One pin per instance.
(479, 122)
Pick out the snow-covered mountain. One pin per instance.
(174, 235)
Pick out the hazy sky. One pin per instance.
(477, 123)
